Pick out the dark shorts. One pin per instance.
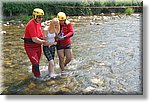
(63, 47)
(49, 52)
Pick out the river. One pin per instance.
(107, 60)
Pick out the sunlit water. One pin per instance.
(107, 59)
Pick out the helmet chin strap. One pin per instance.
(35, 18)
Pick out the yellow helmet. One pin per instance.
(61, 16)
(37, 12)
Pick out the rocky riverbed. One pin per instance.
(107, 60)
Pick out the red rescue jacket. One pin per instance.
(68, 31)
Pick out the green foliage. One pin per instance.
(25, 18)
(129, 11)
(51, 9)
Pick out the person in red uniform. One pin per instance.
(63, 46)
(33, 39)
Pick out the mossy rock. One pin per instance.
(65, 90)
(31, 85)
(50, 83)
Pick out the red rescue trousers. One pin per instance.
(34, 53)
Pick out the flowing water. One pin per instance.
(107, 60)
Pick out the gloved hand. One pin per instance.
(62, 37)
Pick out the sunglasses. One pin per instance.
(39, 17)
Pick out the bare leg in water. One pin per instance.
(68, 54)
(65, 56)
(51, 67)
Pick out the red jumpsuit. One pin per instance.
(33, 50)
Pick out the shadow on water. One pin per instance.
(106, 60)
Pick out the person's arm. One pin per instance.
(33, 33)
(70, 29)
(38, 41)
(45, 32)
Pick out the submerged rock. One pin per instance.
(88, 89)
(51, 83)
(31, 85)
(97, 81)
(64, 90)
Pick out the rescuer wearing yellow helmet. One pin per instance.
(64, 43)
(33, 39)
(61, 16)
(38, 13)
